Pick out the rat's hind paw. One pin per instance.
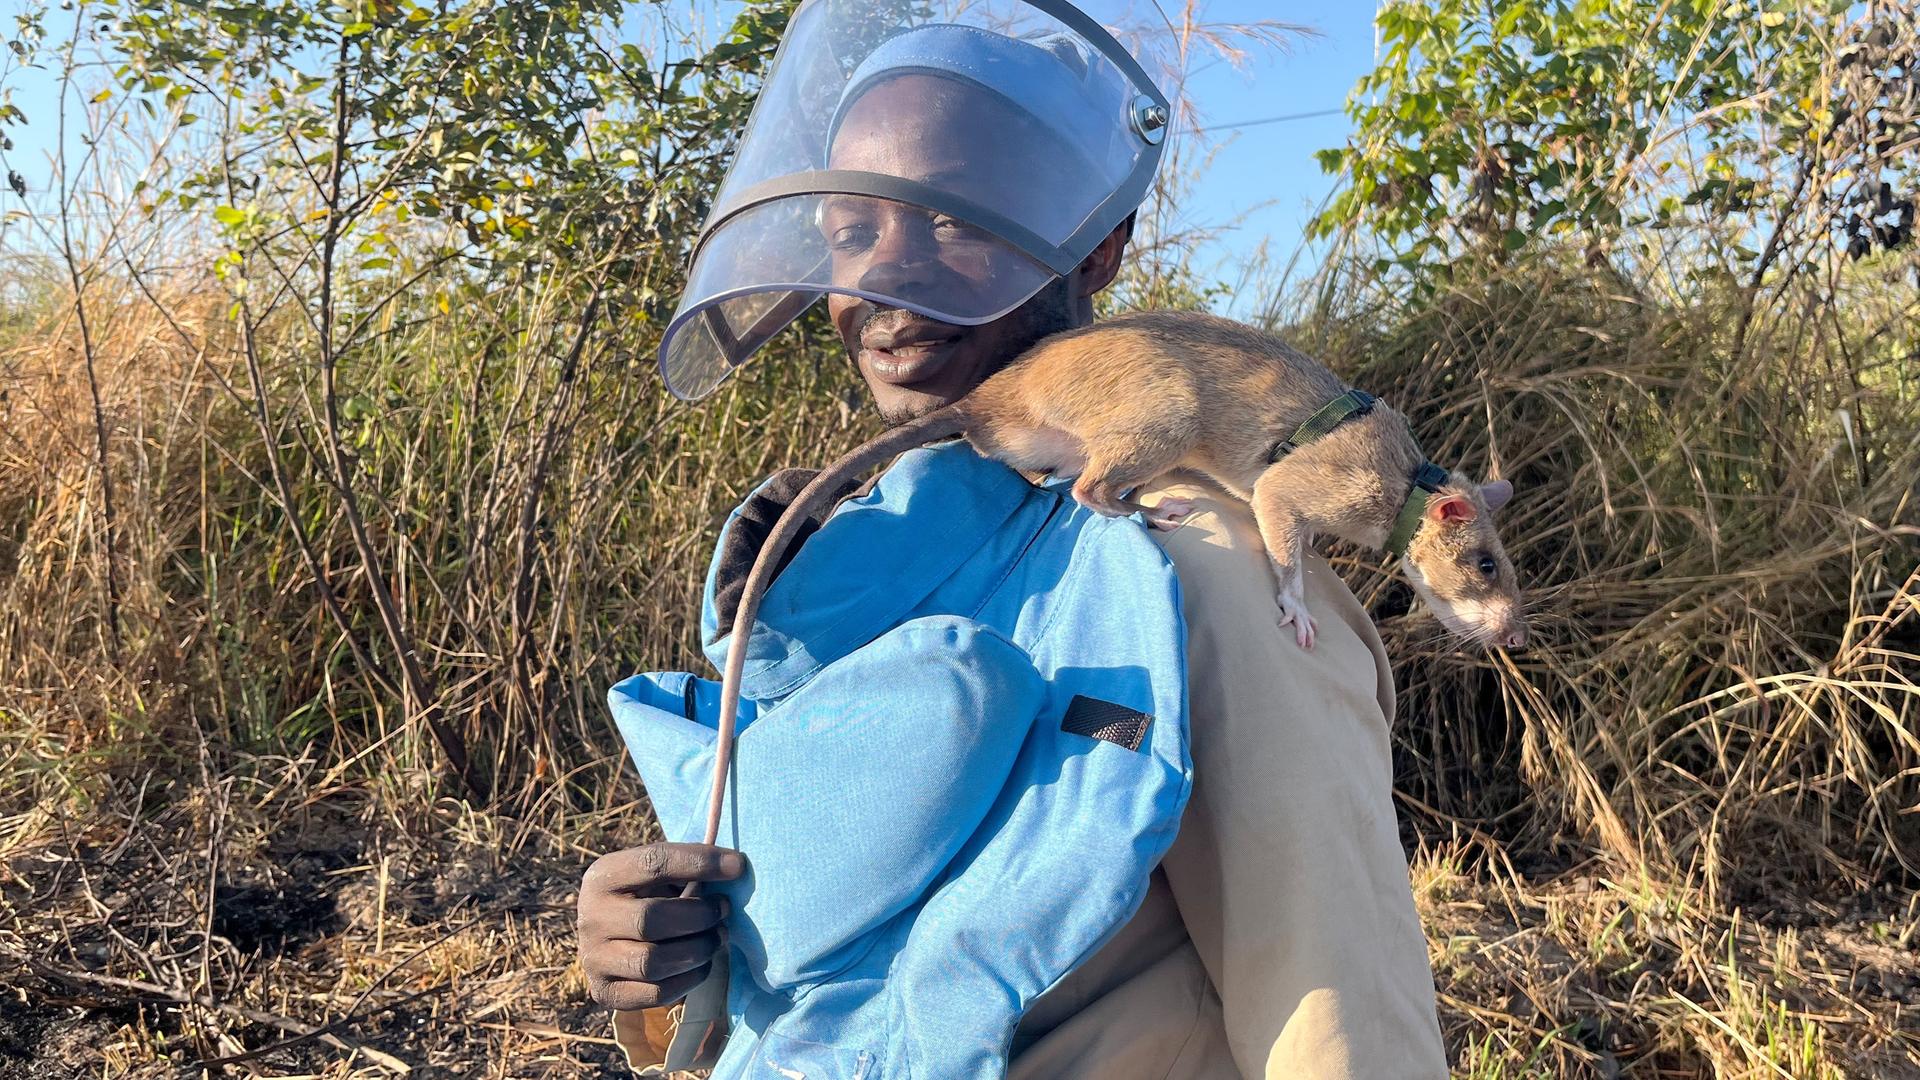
(1292, 610)
(1169, 513)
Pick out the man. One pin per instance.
(1278, 936)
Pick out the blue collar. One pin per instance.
(871, 564)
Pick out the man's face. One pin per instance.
(917, 127)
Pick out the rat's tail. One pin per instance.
(935, 425)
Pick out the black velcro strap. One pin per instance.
(1331, 415)
(1106, 721)
(1430, 476)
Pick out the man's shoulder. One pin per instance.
(1228, 590)
(1219, 537)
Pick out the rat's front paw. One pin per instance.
(1294, 610)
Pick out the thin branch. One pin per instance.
(522, 612)
(87, 348)
(419, 685)
(253, 1016)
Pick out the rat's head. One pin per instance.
(1457, 564)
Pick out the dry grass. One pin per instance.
(1675, 840)
(218, 833)
(1582, 974)
(1723, 553)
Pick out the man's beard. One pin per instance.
(1047, 312)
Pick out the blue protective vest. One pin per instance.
(962, 751)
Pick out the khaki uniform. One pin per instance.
(1279, 936)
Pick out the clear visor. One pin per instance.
(948, 157)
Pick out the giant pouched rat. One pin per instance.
(1125, 401)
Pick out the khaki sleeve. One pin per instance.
(1142, 1008)
(1288, 870)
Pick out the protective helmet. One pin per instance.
(950, 157)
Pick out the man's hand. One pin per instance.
(640, 943)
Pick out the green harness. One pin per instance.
(1426, 484)
(1426, 479)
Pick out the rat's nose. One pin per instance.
(1515, 638)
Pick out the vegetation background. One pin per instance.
(336, 486)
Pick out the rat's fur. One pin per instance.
(1132, 398)
(1129, 399)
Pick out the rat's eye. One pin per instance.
(1487, 565)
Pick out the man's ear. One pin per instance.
(1102, 265)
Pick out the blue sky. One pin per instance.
(1261, 187)
(1263, 178)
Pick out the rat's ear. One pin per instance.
(1447, 509)
(1497, 493)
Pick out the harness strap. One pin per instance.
(1426, 484)
(1331, 415)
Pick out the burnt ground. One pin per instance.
(134, 951)
(150, 938)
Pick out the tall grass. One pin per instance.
(1723, 559)
(1722, 552)
(542, 536)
